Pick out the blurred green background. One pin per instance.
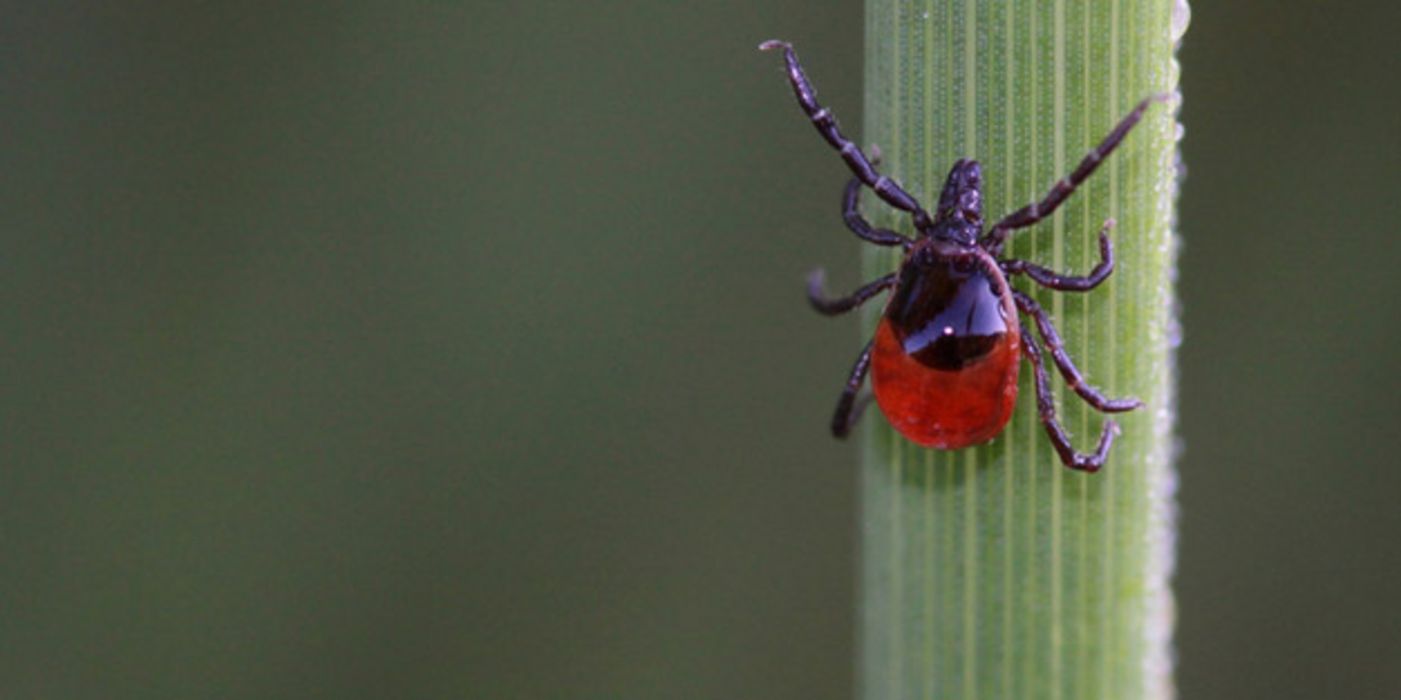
(445, 350)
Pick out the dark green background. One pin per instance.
(459, 351)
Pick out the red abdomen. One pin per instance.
(941, 408)
(947, 352)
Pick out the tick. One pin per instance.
(946, 353)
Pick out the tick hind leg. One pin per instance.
(1046, 409)
(826, 124)
(1068, 283)
(848, 407)
(1073, 378)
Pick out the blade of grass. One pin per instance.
(995, 572)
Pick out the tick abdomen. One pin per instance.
(946, 354)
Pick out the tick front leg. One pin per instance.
(832, 307)
(1068, 283)
(1063, 188)
(848, 408)
(826, 124)
(1046, 409)
(851, 213)
(1067, 368)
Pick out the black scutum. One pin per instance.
(946, 312)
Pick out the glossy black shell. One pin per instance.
(947, 310)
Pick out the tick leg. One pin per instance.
(1073, 378)
(851, 212)
(832, 307)
(1046, 408)
(848, 408)
(1068, 283)
(1037, 211)
(826, 124)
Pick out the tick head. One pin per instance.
(962, 197)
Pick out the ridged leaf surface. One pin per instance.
(994, 572)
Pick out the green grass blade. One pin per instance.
(995, 572)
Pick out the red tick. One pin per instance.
(946, 354)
